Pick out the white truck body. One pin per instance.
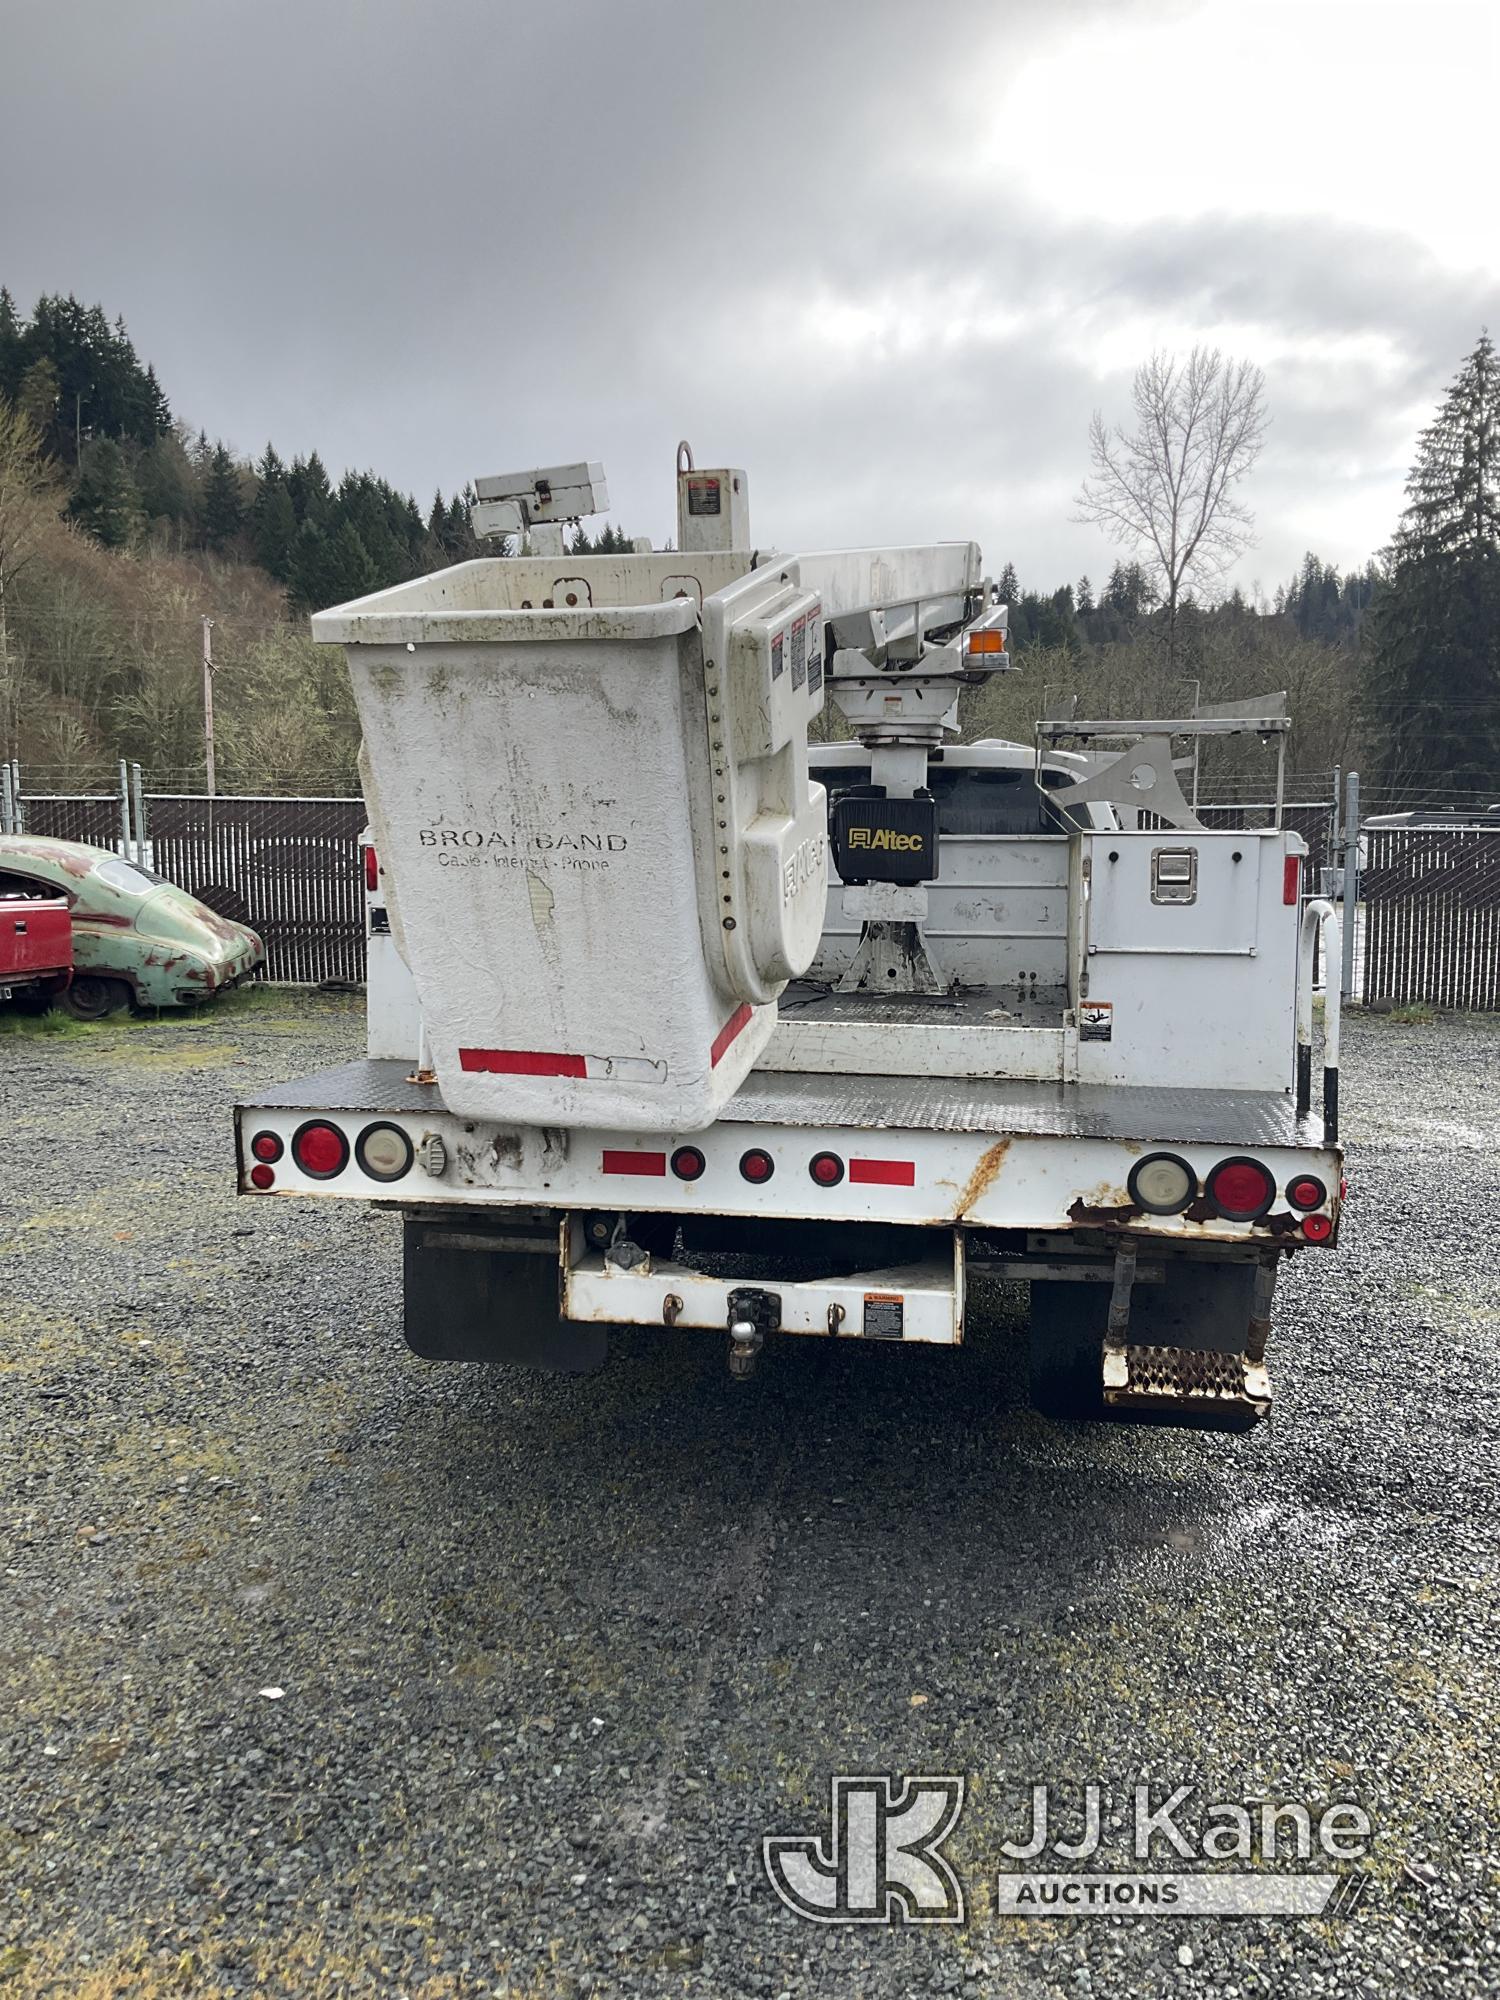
(632, 1057)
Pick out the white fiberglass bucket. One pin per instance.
(598, 911)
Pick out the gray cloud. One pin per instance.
(447, 238)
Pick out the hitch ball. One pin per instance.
(745, 1342)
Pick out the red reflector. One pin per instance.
(688, 1164)
(1317, 1228)
(635, 1163)
(884, 1173)
(827, 1169)
(266, 1146)
(1241, 1189)
(520, 1062)
(738, 1021)
(320, 1150)
(1291, 878)
(372, 870)
(757, 1166)
(262, 1177)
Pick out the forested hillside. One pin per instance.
(122, 528)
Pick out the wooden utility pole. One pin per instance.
(208, 703)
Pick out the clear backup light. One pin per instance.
(384, 1152)
(1162, 1184)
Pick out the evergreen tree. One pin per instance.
(105, 500)
(12, 358)
(1436, 667)
(223, 506)
(1010, 585)
(274, 528)
(1085, 596)
(37, 397)
(329, 569)
(165, 480)
(312, 496)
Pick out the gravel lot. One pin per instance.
(554, 1655)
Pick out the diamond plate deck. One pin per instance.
(899, 1103)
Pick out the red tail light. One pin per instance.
(827, 1169)
(320, 1149)
(372, 870)
(1241, 1190)
(267, 1146)
(1307, 1192)
(757, 1166)
(689, 1164)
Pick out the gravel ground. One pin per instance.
(555, 1654)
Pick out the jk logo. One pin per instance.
(882, 1862)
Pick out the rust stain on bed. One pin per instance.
(983, 1178)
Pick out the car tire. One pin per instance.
(91, 997)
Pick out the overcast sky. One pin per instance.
(888, 257)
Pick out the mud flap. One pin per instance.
(1189, 1351)
(470, 1299)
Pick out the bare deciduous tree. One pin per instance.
(1167, 489)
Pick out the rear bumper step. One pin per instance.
(1181, 1381)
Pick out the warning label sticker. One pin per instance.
(799, 653)
(703, 496)
(885, 1316)
(778, 664)
(1096, 1020)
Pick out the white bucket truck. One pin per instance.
(678, 1019)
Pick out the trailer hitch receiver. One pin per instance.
(753, 1314)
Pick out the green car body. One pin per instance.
(136, 936)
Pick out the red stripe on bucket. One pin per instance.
(737, 1022)
(635, 1163)
(884, 1173)
(520, 1062)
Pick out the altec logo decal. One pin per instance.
(885, 839)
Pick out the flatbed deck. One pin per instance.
(1236, 1118)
